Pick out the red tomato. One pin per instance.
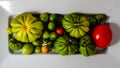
(59, 30)
(102, 35)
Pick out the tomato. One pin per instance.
(44, 49)
(59, 31)
(102, 35)
(51, 26)
(53, 36)
(44, 17)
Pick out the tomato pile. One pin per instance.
(66, 34)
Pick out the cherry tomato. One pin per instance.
(59, 31)
(44, 49)
(102, 35)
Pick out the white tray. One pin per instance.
(107, 60)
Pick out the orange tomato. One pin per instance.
(44, 49)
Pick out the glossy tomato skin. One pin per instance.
(59, 31)
(102, 35)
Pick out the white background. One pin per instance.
(106, 60)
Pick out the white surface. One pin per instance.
(109, 60)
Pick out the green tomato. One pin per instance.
(36, 43)
(53, 36)
(93, 22)
(14, 44)
(45, 35)
(51, 26)
(37, 49)
(100, 17)
(44, 17)
(77, 26)
(53, 17)
(27, 49)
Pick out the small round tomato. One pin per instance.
(102, 35)
(59, 30)
(44, 49)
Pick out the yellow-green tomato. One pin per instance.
(37, 49)
(44, 17)
(27, 49)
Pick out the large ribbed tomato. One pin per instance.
(77, 26)
(65, 45)
(26, 27)
(102, 35)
